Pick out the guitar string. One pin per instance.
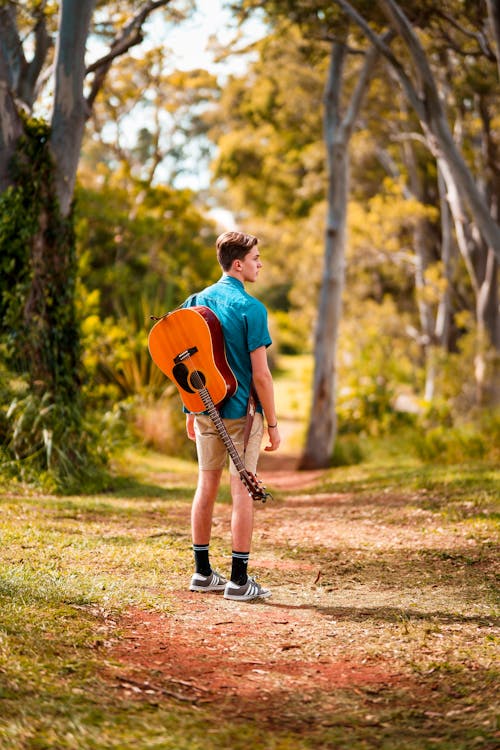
(254, 489)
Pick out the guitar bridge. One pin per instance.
(185, 354)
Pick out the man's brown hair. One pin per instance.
(233, 246)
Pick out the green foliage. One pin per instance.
(42, 435)
(450, 445)
(116, 356)
(20, 207)
(15, 235)
(374, 368)
(162, 248)
(161, 426)
(142, 242)
(347, 451)
(290, 334)
(268, 129)
(45, 442)
(443, 437)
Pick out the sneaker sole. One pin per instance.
(208, 589)
(236, 598)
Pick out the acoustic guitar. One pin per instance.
(188, 347)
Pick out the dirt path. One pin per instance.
(379, 607)
(272, 652)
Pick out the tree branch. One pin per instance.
(11, 46)
(377, 42)
(480, 38)
(130, 36)
(423, 71)
(494, 15)
(43, 42)
(364, 77)
(31, 71)
(431, 113)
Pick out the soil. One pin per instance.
(256, 655)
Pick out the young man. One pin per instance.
(244, 325)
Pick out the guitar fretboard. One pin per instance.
(218, 422)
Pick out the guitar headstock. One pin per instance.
(255, 488)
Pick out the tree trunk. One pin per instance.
(448, 252)
(322, 430)
(487, 386)
(494, 14)
(51, 338)
(40, 317)
(10, 124)
(430, 111)
(322, 424)
(70, 110)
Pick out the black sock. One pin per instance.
(201, 560)
(239, 567)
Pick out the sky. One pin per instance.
(190, 44)
(190, 39)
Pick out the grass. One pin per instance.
(70, 566)
(405, 577)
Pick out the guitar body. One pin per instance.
(188, 345)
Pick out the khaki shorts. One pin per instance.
(212, 453)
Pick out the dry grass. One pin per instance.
(382, 631)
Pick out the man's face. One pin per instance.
(250, 265)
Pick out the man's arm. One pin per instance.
(263, 382)
(190, 426)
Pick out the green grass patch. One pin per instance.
(404, 560)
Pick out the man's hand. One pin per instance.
(274, 439)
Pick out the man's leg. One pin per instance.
(241, 530)
(242, 515)
(204, 579)
(203, 505)
(242, 587)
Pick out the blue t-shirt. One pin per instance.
(244, 325)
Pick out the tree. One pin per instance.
(338, 128)
(38, 166)
(465, 197)
(459, 57)
(168, 111)
(317, 22)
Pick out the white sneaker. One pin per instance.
(250, 590)
(213, 582)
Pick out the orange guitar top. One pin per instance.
(188, 347)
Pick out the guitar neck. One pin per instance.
(254, 487)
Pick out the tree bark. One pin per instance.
(10, 123)
(70, 108)
(448, 253)
(432, 116)
(322, 428)
(494, 14)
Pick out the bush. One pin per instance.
(46, 442)
(162, 426)
(450, 445)
(347, 452)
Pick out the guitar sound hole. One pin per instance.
(181, 374)
(195, 378)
